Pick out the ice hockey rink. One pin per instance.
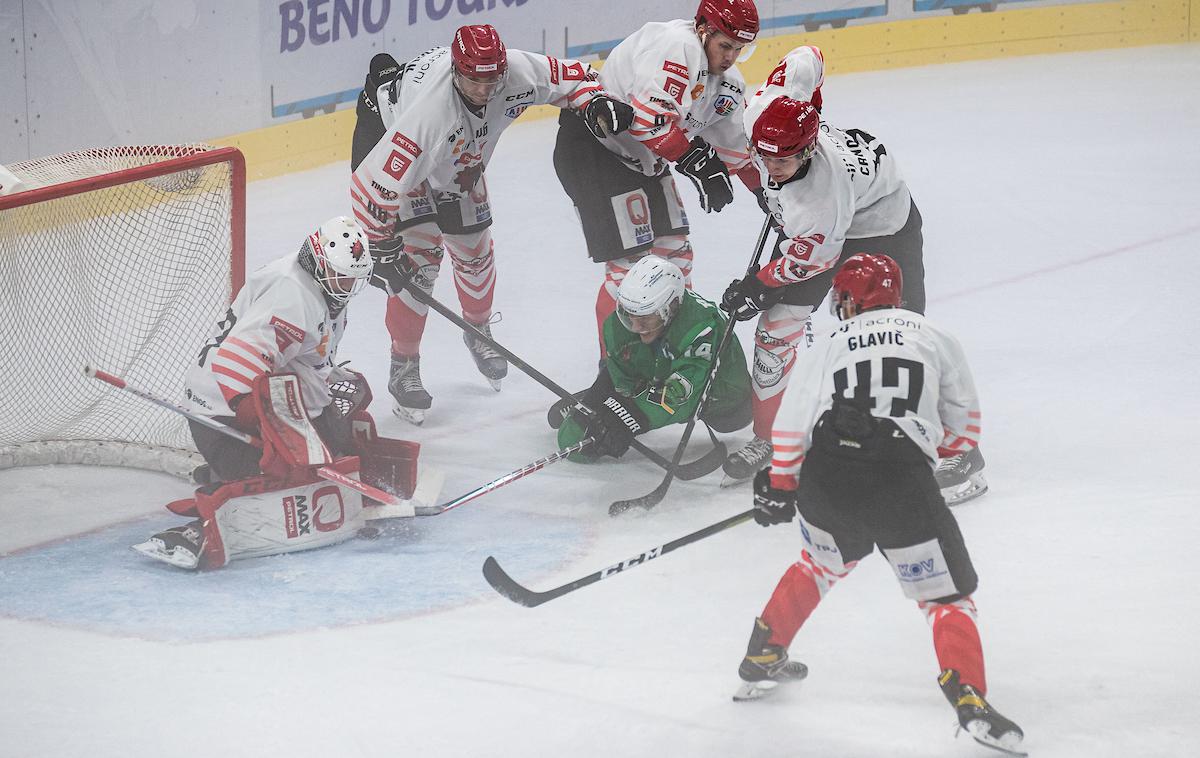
(1060, 198)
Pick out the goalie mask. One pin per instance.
(649, 296)
(866, 282)
(338, 257)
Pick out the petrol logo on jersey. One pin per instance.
(286, 333)
(399, 140)
(724, 105)
(671, 67)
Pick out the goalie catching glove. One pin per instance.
(605, 116)
(771, 504)
(614, 424)
(709, 173)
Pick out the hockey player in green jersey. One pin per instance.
(660, 344)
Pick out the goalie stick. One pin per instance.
(395, 506)
(702, 466)
(655, 496)
(509, 588)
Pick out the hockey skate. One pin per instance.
(978, 718)
(960, 477)
(179, 546)
(765, 666)
(745, 462)
(491, 364)
(411, 399)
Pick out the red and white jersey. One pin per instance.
(800, 74)
(278, 323)
(662, 71)
(432, 135)
(913, 372)
(851, 189)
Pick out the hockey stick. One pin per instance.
(706, 464)
(398, 506)
(509, 588)
(524, 471)
(654, 497)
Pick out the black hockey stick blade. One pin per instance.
(509, 588)
(705, 464)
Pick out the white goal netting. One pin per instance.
(120, 258)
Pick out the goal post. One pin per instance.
(118, 257)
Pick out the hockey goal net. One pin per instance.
(121, 258)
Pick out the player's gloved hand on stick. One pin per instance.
(772, 505)
(614, 424)
(673, 392)
(761, 196)
(605, 116)
(393, 269)
(709, 173)
(744, 298)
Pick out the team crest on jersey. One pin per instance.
(516, 110)
(778, 76)
(768, 368)
(675, 89)
(724, 105)
(397, 164)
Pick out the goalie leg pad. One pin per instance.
(262, 516)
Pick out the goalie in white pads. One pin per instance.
(270, 371)
(855, 442)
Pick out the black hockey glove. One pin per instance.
(772, 506)
(761, 196)
(614, 425)
(384, 70)
(744, 298)
(393, 269)
(709, 173)
(605, 116)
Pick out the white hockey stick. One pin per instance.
(392, 507)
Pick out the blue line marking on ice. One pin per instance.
(416, 566)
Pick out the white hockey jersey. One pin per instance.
(433, 136)
(914, 373)
(662, 71)
(279, 322)
(800, 74)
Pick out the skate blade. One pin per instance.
(975, 486)
(414, 416)
(749, 691)
(495, 383)
(729, 481)
(1009, 742)
(177, 558)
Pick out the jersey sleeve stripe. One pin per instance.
(220, 368)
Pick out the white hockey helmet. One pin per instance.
(649, 295)
(339, 258)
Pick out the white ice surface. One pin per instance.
(1060, 197)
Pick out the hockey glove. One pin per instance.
(605, 116)
(772, 506)
(709, 173)
(673, 392)
(384, 70)
(393, 269)
(744, 298)
(614, 425)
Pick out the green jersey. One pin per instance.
(664, 378)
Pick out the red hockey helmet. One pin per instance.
(478, 53)
(785, 128)
(736, 19)
(866, 281)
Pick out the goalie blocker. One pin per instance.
(289, 507)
